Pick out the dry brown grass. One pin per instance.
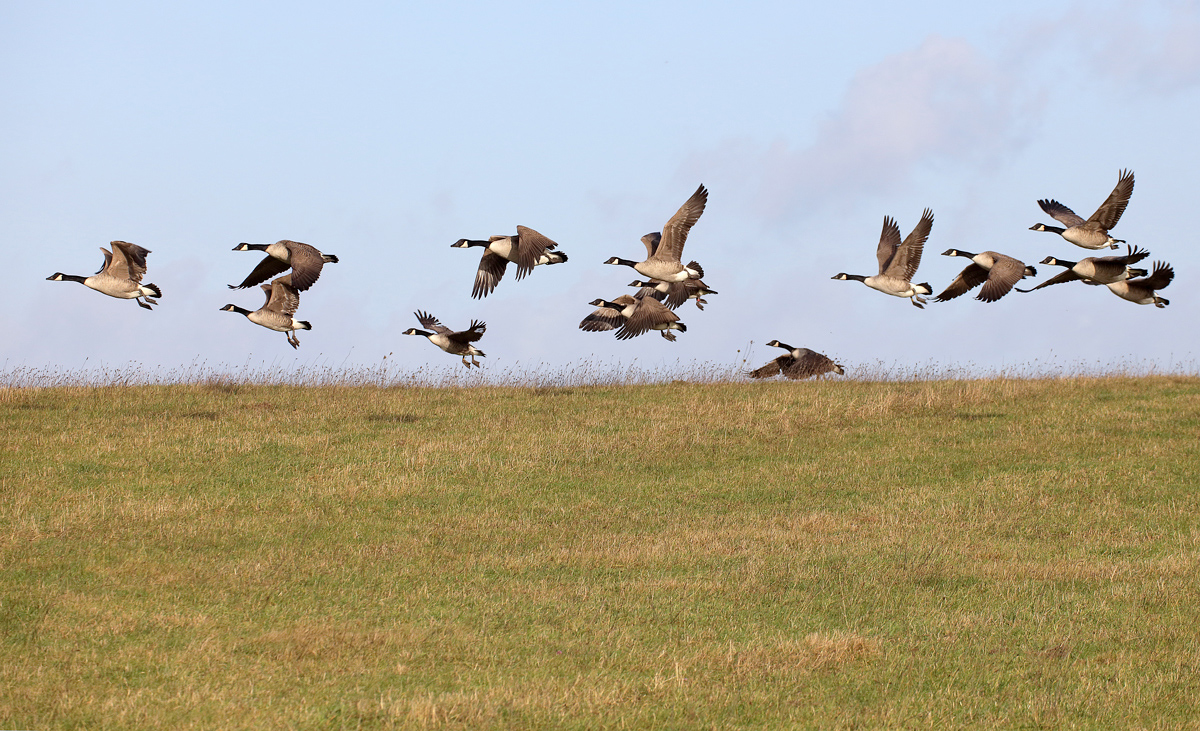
(991, 553)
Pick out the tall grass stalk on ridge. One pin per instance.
(589, 372)
(993, 553)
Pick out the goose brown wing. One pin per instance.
(648, 313)
(268, 268)
(889, 241)
(284, 297)
(676, 294)
(809, 364)
(528, 247)
(1060, 213)
(772, 368)
(490, 272)
(430, 322)
(652, 240)
(471, 334)
(675, 232)
(306, 264)
(129, 261)
(107, 259)
(1005, 272)
(1066, 276)
(908, 257)
(1135, 255)
(968, 279)
(602, 320)
(1159, 279)
(1110, 212)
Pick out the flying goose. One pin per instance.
(664, 250)
(121, 275)
(996, 272)
(898, 261)
(1144, 291)
(305, 260)
(526, 249)
(455, 343)
(1094, 232)
(796, 364)
(634, 315)
(674, 294)
(1095, 269)
(277, 312)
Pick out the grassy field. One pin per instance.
(990, 553)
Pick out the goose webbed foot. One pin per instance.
(668, 335)
(700, 303)
(293, 340)
(918, 302)
(144, 306)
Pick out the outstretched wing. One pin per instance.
(430, 322)
(528, 247)
(889, 241)
(1159, 279)
(809, 364)
(1110, 212)
(490, 272)
(306, 264)
(267, 268)
(646, 315)
(652, 240)
(128, 261)
(1060, 213)
(1067, 276)
(471, 334)
(772, 368)
(602, 320)
(675, 233)
(284, 297)
(908, 257)
(968, 279)
(1005, 272)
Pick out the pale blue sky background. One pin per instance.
(383, 132)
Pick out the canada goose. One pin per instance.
(674, 294)
(996, 272)
(1144, 291)
(526, 249)
(1094, 232)
(634, 315)
(121, 275)
(1095, 269)
(455, 343)
(305, 260)
(277, 312)
(797, 363)
(664, 249)
(898, 261)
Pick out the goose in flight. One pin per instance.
(898, 261)
(121, 275)
(797, 363)
(304, 260)
(1094, 232)
(527, 249)
(664, 250)
(278, 312)
(455, 343)
(996, 272)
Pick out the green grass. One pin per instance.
(989, 553)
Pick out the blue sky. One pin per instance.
(383, 133)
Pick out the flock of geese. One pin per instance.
(669, 283)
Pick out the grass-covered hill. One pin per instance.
(986, 553)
